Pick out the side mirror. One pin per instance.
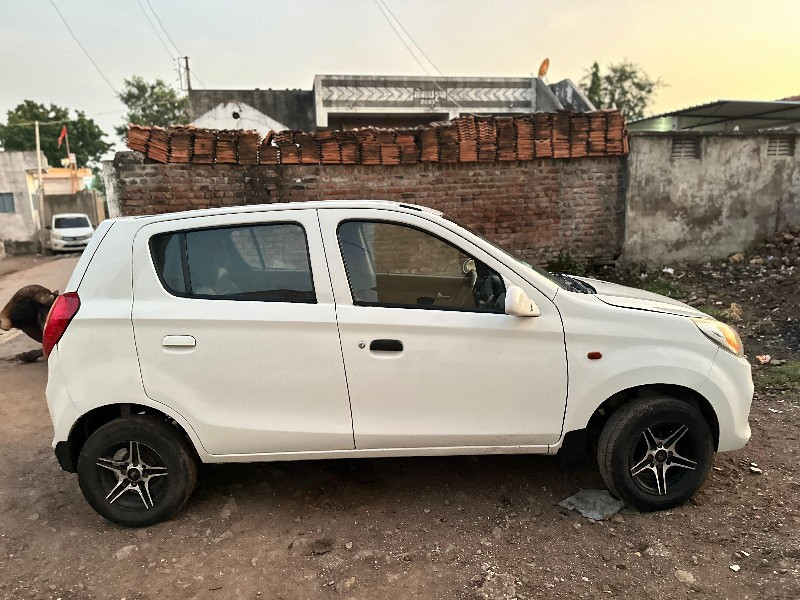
(47, 226)
(519, 304)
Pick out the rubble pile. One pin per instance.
(467, 139)
(758, 292)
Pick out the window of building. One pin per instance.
(7, 202)
(266, 263)
(685, 148)
(395, 265)
(780, 146)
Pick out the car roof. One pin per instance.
(311, 205)
(71, 215)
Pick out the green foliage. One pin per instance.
(98, 183)
(85, 137)
(567, 265)
(785, 376)
(714, 311)
(152, 104)
(624, 86)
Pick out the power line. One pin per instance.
(160, 24)
(380, 6)
(413, 41)
(401, 38)
(86, 52)
(174, 45)
(153, 27)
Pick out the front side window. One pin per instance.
(389, 264)
(260, 262)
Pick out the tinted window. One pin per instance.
(262, 262)
(70, 222)
(390, 264)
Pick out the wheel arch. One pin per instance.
(68, 451)
(603, 412)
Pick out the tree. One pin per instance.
(85, 137)
(152, 104)
(624, 86)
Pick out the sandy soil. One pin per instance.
(486, 527)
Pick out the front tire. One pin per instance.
(654, 454)
(137, 470)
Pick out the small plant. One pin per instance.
(785, 376)
(713, 311)
(566, 264)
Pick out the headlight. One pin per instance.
(55, 236)
(721, 334)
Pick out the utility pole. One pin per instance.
(188, 74)
(39, 220)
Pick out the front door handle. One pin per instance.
(178, 341)
(386, 345)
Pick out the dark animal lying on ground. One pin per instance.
(27, 310)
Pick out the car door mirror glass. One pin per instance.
(519, 304)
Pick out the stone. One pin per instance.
(225, 536)
(125, 552)
(229, 508)
(596, 505)
(684, 577)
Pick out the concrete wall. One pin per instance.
(537, 208)
(727, 200)
(17, 230)
(82, 202)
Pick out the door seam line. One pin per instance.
(338, 331)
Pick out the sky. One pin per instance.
(702, 51)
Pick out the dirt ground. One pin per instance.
(487, 527)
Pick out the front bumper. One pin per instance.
(57, 244)
(729, 389)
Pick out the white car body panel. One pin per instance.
(465, 365)
(465, 383)
(252, 358)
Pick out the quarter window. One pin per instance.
(390, 264)
(261, 262)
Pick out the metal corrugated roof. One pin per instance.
(724, 115)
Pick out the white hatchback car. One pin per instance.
(70, 232)
(365, 329)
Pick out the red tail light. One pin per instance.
(60, 315)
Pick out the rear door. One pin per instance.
(236, 330)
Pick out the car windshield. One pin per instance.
(559, 281)
(71, 222)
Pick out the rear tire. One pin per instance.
(137, 470)
(654, 454)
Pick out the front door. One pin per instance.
(235, 329)
(432, 361)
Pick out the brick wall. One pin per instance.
(537, 208)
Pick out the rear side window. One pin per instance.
(267, 263)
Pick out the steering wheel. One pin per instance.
(488, 293)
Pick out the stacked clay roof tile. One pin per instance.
(465, 139)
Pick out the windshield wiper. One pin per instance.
(575, 285)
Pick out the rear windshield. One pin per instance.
(70, 222)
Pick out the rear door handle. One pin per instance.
(178, 341)
(386, 345)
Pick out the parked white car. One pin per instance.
(366, 329)
(70, 232)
